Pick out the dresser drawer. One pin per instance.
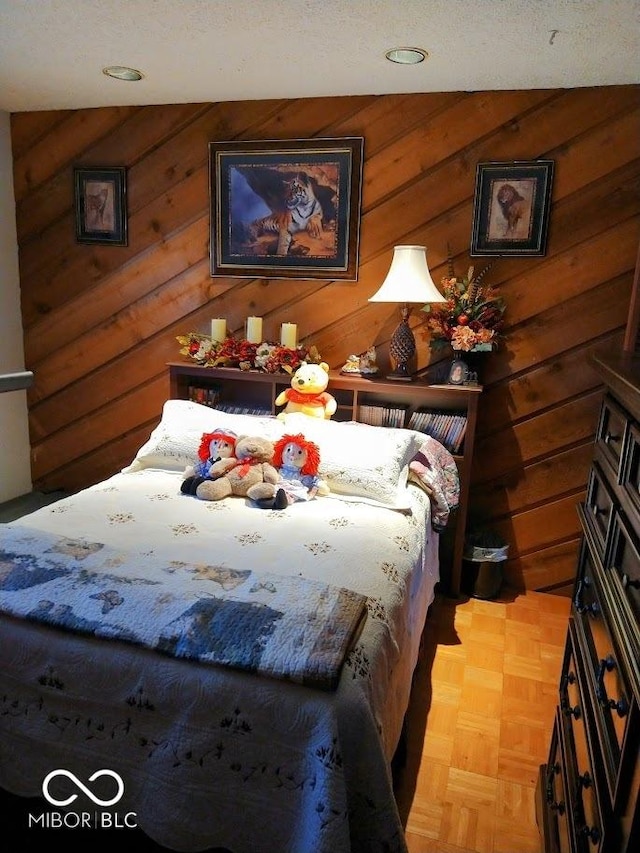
(598, 508)
(611, 433)
(622, 568)
(555, 801)
(630, 480)
(586, 817)
(607, 687)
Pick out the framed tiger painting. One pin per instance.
(285, 208)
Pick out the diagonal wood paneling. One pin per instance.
(100, 321)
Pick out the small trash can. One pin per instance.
(483, 557)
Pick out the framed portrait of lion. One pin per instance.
(285, 208)
(511, 208)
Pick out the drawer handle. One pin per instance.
(620, 706)
(610, 437)
(606, 665)
(573, 712)
(585, 780)
(558, 807)
(553, 770)
(590, 832)
(592, 608)
(626, 582)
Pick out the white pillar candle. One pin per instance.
(218, 329)
(288, 335)
(254, 330)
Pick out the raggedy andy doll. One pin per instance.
(216, 445)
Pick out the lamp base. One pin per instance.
(400, 374)
(402, 348)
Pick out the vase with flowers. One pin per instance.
(471, 319)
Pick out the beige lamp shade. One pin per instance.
(408, 279)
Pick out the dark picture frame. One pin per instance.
(511, 208)
(101, 204)
(285, 208)
(458, 372)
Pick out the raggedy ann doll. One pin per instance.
(296, 460)
(216, 445)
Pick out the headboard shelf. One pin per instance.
(256, 391)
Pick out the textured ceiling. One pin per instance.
(52, 51)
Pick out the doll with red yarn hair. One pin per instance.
(216, 445)
(297, 461)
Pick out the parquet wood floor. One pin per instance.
(480, 722)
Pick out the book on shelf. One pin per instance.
(244, 410)
(459, 438)
(208, 395)
(444, 426)
(386, 416)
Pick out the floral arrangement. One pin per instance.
(471, 318)
(268, 357)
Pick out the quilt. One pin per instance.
(276, 625)
(213, 755)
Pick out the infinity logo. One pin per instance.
(83, 788)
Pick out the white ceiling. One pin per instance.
(52, 51)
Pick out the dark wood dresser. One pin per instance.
(587, 796)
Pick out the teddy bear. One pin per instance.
(307, 392)
(238, 475)
(216, 445)
(297, 461)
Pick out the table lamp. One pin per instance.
(408, 280)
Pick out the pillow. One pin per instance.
(174, 443)
(434, 469)
(361, 462)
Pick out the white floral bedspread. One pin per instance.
(211, 756)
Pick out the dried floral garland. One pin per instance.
(265, 356)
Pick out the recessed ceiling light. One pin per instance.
(406, 55)
(121, 72)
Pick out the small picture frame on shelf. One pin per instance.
(458, 372)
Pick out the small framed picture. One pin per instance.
(457, 372)
(101, 205)
(511, 208)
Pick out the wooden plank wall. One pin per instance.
(100, 322)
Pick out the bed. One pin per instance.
(256, 734)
